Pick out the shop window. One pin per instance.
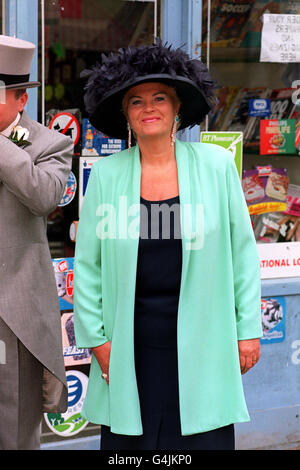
(77, 32)
(72, 36)
(233, 45)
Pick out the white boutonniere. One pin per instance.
(19, 136)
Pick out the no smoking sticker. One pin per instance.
(67, 124)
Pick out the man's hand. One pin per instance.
(102, 354)
(249, 353)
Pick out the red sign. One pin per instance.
(67, 124)
(69, 283)
(63, 266)
(277, 136)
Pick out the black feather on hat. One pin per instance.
(108, 81)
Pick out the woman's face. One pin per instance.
(150, 109)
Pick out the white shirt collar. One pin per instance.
(8, 130)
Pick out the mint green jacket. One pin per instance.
(219, 301)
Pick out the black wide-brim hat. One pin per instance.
(109, 81)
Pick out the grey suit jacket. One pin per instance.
(32, 183)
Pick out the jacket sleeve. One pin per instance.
(87, 282)
(246, 264)
(38, 185)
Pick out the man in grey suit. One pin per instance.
(34, 166)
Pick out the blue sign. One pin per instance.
(95, 143)
(70, 190)
(259, 107)
(273, 313)
(63, 270)
(74, 389)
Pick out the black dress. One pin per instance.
(156, 305)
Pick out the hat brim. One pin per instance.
(18, 86)
(109, 118)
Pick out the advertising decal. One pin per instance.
(71, 422)
(63, 270)
(277, 137)
(95, 142)
(273, 313)
(232, 141)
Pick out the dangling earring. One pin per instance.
(129, 136)
(174, 129)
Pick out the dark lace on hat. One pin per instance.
(128, 64)
(109, 79)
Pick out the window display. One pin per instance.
(256, 66)
(72, 33)
(258, 96)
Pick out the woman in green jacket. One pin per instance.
(166, 276)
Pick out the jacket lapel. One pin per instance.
(184, 182)
(25, 121)
(136, 175)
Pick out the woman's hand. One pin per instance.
(102, 354)
(249, 352)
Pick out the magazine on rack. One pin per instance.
(225, 96)
(282, 107)
(228, 22)
(238, 118)
(232, 112)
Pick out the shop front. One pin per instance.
(253, 51)
(70, 36)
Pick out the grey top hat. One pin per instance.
(15, 61)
